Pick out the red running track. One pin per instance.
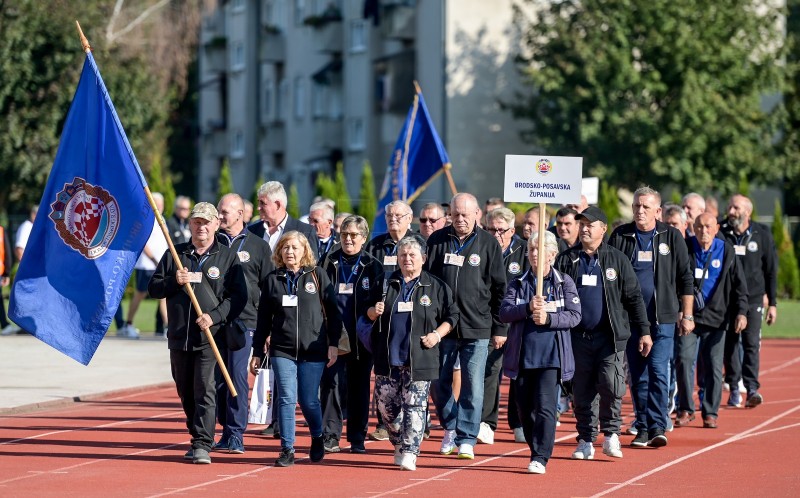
(132, 445)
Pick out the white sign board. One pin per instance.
(543, 179)
(590, 187)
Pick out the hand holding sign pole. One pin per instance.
(542, 179)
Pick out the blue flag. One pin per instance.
(418, 155)
(94, 220)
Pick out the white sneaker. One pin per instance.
(408, 461)
(398, 457)
(128, 331)
(584, 451)
(466, 452)
(519, 435)
(448, 442)
(611, 446)
(536, 468)
(742, 389)
(485, 434)
(10, 329)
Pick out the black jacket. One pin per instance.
(760, 261)
(259, 228)
(178, 231)
(300, 332)
(425, 318)
(368, 275)
(673, 275)
(326, 248)
(8, 256)
(383, 245)
(255, 257)
(516, 261)
(730, 296)
(623, 295)
(222, 293)
(478, 285)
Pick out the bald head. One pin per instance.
(740, 208)
(464, 212)
(231, 214)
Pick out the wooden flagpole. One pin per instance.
(540, 249)
(87, 48)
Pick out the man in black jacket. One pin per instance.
(178, 223)
(720, 277)
(254, 256)
(216, 277)
(469, 260)
(611, 301)
(661, 263)
(755, 249)
(275, 221)
(384, 247)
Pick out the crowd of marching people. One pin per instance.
(665, 306)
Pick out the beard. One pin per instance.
(735, 222)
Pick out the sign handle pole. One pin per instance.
(541, 255)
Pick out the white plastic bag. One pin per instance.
(261, 400)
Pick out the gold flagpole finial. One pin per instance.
(84, 42)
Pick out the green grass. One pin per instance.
(787, 326)
(145, 319)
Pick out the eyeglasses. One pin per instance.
(497, 231)
(395, 216)
(431, 220)
(350, 235)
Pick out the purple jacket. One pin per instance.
(567, 315)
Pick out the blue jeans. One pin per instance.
(463, 416)
(650, 376)
(232, 412)
(297, 380)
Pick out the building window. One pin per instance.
(275, 13)
(299, 98)
(319, 97)
(268, 104)
(335, 106)
(299, 12)
(237, 144)
(355, 134)
(237, 56)
(238, 5)
(283, 96)
(358, 36)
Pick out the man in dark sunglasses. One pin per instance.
(431, 218)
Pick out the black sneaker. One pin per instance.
(269, 430)
(658, 440)
(331, 444)
(358, 447)
(286, 458)
(641, 439)
(317, 452)
(754, 399)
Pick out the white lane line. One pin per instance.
(780, 367)
(768, 431)
(724, 442)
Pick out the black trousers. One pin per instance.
(333, 395)
(746, 367)
(536, 397)
(491, 387)
(712, 345)
(597, 386)
(193, 373)
(358, 373)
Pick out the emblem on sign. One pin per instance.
(611, 274)
(86, 217)
(544, 166)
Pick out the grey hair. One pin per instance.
(673, 209)
(182, 198)
(694, 195)
(647, 191)
(399, 204)
(502, 213)
(414, 241)
(158, 196)
(361, 224)
(550, 242)
(273, 191)
(465, 195)
(324, 207)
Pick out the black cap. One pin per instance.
(592, 214)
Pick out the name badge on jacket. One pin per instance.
(390, 261)
(405, 307)
(589, 280)
(645, 256)
(453, 259)
(195, 277)
(290, 301)
(698, 273)
(345, 288)
(740, 250)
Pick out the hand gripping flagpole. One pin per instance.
(87, 48)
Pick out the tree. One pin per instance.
(224, 182)
(342, 198)
(367, 198)
(654, 91)
(159, 181)
(608, 201)
(789, 145)
(293, 202)
(259, 182)
(326, 187)
(788, 270)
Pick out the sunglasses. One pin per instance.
(350, 235)
(497, 231)
(431, 220)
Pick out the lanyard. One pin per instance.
(508, 249)
(649, 243)
(545, 284)
(407, 290)
(590, 269)
(231, 239)
(461, 247)
(353, 272)
(392, 252)
(291, 283)
(745, 237)
(327, 245)
(199, 263)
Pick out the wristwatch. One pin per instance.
(688, 318)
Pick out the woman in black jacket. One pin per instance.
(353, 272)
(414, 310)
(300, 323)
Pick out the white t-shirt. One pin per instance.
(157, 245)
(23, 232)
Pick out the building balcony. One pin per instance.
(328, 133)
(216, 143)
(399, 20)
(330, 37)
(274, 137)
(273, 47)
